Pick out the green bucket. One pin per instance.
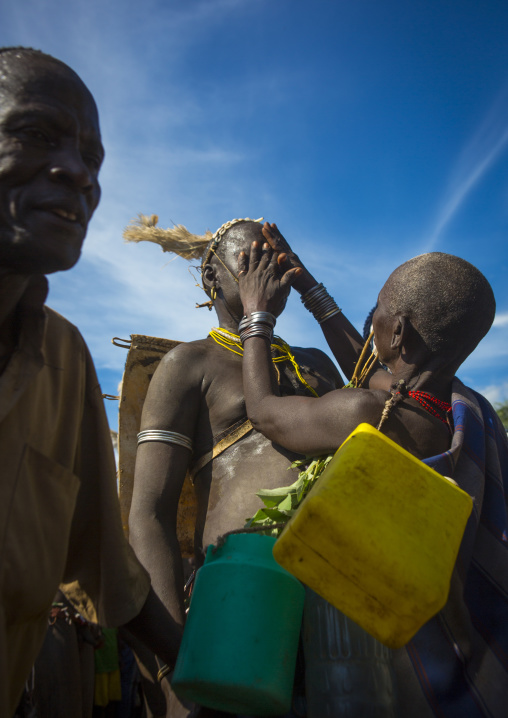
(238, 652)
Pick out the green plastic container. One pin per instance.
(239, 646)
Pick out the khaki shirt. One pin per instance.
(59, 512)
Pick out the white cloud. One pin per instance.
(495, 393)
(476, 158)
(501, 320)
(492, 350)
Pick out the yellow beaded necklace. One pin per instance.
(362, 370)
(232, 343)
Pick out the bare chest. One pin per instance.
(223, 403)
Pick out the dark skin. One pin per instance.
(50, 156)
(197, 391)
(344, 341)
(321, 426)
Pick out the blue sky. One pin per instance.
(369, 131)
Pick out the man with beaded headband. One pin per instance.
(194, 415)
(431, 313)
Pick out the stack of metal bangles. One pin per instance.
(166, 437)
(320, 304)
(259, 324)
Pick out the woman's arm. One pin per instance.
(343, 339)
(300, 424)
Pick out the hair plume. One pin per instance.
(177, 240)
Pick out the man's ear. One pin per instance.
(209, 277)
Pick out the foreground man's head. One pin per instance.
(50, 156)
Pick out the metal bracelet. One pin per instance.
(315, 296)
(321, 305)
(310, 292)
(166, 437)
(330, 314)
(264, 317)
(256, 329)
(259, 318)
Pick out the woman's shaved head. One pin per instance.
(448, 301)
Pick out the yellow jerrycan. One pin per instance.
(378, 536)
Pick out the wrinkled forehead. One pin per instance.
(27, 80)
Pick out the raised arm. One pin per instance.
(300, 424)
(341, 336)
(172, 405)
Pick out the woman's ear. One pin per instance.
(405, 339)
(400, 330)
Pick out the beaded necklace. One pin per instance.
(232, 343)
(363, 365)
(442, 407)
(439, 409)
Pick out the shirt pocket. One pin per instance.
(37, 534)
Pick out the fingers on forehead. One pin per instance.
(272, 238)
(242, 262)
(255, 251)
(266, 256)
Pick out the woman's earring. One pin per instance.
(213, 293)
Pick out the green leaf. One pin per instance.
(271, 497)
(286, 505)
(282, 503)
(275, 515)
(258, 517)
(273, 503)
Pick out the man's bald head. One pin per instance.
(448, 301)
(25, 62)
(16, 53)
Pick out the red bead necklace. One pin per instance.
(442, 407)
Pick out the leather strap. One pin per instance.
(221, 446)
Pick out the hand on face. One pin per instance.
(263, 282)
(278, 243)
